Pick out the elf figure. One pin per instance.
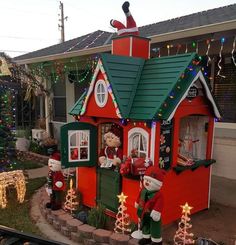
(56, 182)
(149, 206)
(130, 28)
(112, 154)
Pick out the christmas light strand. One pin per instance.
(220, 55)
(208, 42)
(233, 59)
(85, 38)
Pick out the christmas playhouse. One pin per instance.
(165, 112)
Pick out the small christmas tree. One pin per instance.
(122, 224)
(71, 202)
(182, 235)
(7, 125)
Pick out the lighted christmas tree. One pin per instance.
(182, 235)
(71, 204)
(122, 224)
(7, 125)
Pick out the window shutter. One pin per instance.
(65, 147)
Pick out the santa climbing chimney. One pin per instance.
(128, 42)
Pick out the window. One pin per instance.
(59, 101)
(192, 139)
(78, 145)
(138, 140)
(101, 94)
(225, 91)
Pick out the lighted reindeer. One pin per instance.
(17, 180)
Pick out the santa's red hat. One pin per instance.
(155, 175)
(55, 158)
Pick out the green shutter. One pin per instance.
(92, 145)
(109, 186)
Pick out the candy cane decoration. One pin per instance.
(207, 52)
(220, 54)
(233, 51)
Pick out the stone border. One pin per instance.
(79, 232)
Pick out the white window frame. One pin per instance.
(97, 93)
(78, 144)
(138, 131)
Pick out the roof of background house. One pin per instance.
(101, 38)
(144, 89)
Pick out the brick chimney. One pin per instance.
(134, 46)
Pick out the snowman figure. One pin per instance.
(149, 206)
(55, 182)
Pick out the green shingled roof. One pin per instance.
(78, 105)
(147, 89)
(123, 74)
(158, 79)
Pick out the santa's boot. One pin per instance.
(117, 24)
(125, 7)
(144, 241)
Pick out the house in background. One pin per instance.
(67, 69)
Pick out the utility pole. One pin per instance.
(62, 26)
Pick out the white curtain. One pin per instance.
(192, 137)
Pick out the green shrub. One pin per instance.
(97, 216)
(35, 147)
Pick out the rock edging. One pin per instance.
(79, 232)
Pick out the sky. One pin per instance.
(29, 25)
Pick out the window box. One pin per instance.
(178, 169)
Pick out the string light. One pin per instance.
(233, 51)
(16, 179)
(220, 55)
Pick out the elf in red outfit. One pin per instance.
(56, 183)
(112, 154)
(130, 28)
(149, 206)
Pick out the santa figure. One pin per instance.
(55, 183)
(130, 28)
(149, 206)
(112, 154)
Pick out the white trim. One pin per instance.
(208, 93)
(156, 239)
(131, 46)
(209, 188)
(122, 31)
(54, 161)
(153, 141)
(104, 102)
(157, 182)
(91, 87)
(141, 131)
(78, 146)
(146, 236)
(225, 125)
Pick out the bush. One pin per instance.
(35, 147)
(97, 216)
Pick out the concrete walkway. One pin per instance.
(43, 225)
(223, 191)
(37, 172)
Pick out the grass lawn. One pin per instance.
(16, 215)
(26, 165)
